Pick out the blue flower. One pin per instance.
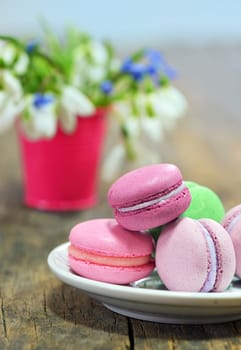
(157, 64)
(135, 69)
(138, 71)
(126, 65)
(106, 87)
(151, 63)
(31, 46)
(41, 100)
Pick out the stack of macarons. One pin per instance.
(193, 250)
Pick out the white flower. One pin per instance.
(117, 160)
(72, 104)
(144, 119)
(113, 163)
(123, 112)
(11, 56)
(42, 120)
(98, 52)
(90, 64)
(7, 53)
(11, 102)
(11, 85)
(21, 65)
(96, 73)
(152, 128)
(9, 110)
(168, 104)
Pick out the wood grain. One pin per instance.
(38, 311)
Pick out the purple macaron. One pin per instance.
(149, 196)
(195, 256)
(232, 224)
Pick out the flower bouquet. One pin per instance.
(58, 94)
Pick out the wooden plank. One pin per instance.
(150, 336)
(37, 310)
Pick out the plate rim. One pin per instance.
(153, 296)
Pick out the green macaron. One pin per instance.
(205, 203)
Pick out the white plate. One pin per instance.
(148, 299)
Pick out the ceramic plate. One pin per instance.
(148, 299)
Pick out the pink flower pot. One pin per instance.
(61, 174)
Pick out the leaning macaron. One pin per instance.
(195, 256)
(205, 203)
(148, 197)
(232, 224)
(104, 251)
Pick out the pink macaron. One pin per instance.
(104, 251)
(195, 256)
(149, 196)
(232, 223)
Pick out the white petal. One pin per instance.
(98, 52)
(68, 121)
(11, 85)
(169, 103)
(124, 115)
(113, 163)
(7, 53)
(42, 122)
(22, 64)
(76, 102)
(9, 111)
(96, 73)
(152, 127)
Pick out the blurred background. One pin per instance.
(130, 23)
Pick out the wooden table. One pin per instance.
(37, 310)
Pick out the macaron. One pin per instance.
(149, 196)
(232, 223)
(102, 250)
(205, 203)
(195, 256)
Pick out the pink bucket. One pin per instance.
(61, 174)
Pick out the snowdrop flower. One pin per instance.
(11, 85)
(41, 120)
(7, 53)
(91, 63)
(11, 56)
(11, 103)
(98, 53)
(72, 104)
(95, 73)
(160, 110)
(21, 66)
(168, 104)
(117, 160)
(152, 128)
(123, 112)
(113, 164)
(9, 110)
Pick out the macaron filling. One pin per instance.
(99, 259)
(209, 283)
(155, 201)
